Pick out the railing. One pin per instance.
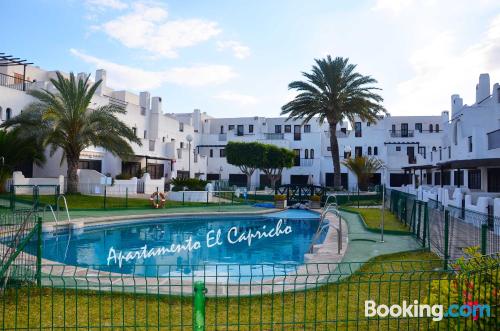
(494, 139)
(401, 133)
(222, 136)
(117, 102)
(274, 136)
(339, 134)
(14, 82)
(306, 162)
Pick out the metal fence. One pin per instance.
(258, 297)
(446, 230)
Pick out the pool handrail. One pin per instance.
(65, 205)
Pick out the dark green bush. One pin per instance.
(188, 184)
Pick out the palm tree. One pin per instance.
(334, 91)
(14, 150)
(63, 120)
(363, 167)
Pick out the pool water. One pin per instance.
(189, 245)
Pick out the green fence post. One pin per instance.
(199, 306)
(104, 202)
(36, 194)
(426, 224)
(126, 197)
(12, 197)
(484, 238)
(446, 238)
(419, 216)
(39, 252)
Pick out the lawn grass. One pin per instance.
(372, 217)
(80, 201)
(337, 306)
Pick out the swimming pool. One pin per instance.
(228, 245)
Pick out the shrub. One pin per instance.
(476, 283)
(188, 184)
(315, 197)
(123, 176)
(279, 197)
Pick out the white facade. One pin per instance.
(399, 141)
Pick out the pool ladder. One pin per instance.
(330, 207)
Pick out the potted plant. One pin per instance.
(315, 201)
(280, 201)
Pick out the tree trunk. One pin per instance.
(334, 148)
(72, 174)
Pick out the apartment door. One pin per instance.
(494, 180)
(410, 151)
(239, 130)
(297, 157)
(296, 132)
(404, 129)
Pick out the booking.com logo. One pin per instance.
(437, 312)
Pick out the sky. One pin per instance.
(236, 58)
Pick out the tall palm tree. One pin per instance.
(15, 150)
(334, 91)
(64, 120)
(363, 167)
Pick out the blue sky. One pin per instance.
(236, 58)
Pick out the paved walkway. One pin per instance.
(364, 245)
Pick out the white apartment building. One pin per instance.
(182, 144)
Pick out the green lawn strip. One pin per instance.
(372, 217)
(340, 306)
(80, 201)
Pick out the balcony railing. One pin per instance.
(494, 139)
(15, 83)
(303, 162)
(151, 145)
(222, 136)
(401, 133)
(118, 102)
(274, 136)
(339, 134)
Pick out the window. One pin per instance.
(307, 128)
(181, 127)
(437, 127)
(431, 128)
(145, 134)
(250, 128)
(163, 139)
(211, 153)
(449, 152)
(134, 130)
(440, 153)
(239, 130)
(421, 151)
(358, 151)
(277, 129)
(296, 161)
(8, 114)
(222, 152)
(368, 123)
(357, 129)
(230, 127)
(474, 176)
(455, 133)
(393, 129)
(222, 129)
(369, 150)
(288, 128)
(469, 143)
(306, 153)
(346, 154)
(181, 144)
(398, 148)
(311, 154)
(418, 127)
(458, 178)
(375, 150)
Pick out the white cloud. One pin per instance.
(443, 66)
(241, 99)
(239, 50)
(125, 77)
(105, 4)
(147, 27)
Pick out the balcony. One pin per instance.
(303, 162)
(401, 133)
(222, 136)
(494, 139)
(339, 134)
(15, 83)
(117, 102)
(274, 136)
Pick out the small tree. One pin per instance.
(246, 156)
(364, 168)
(16, 149)
(274, 161)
